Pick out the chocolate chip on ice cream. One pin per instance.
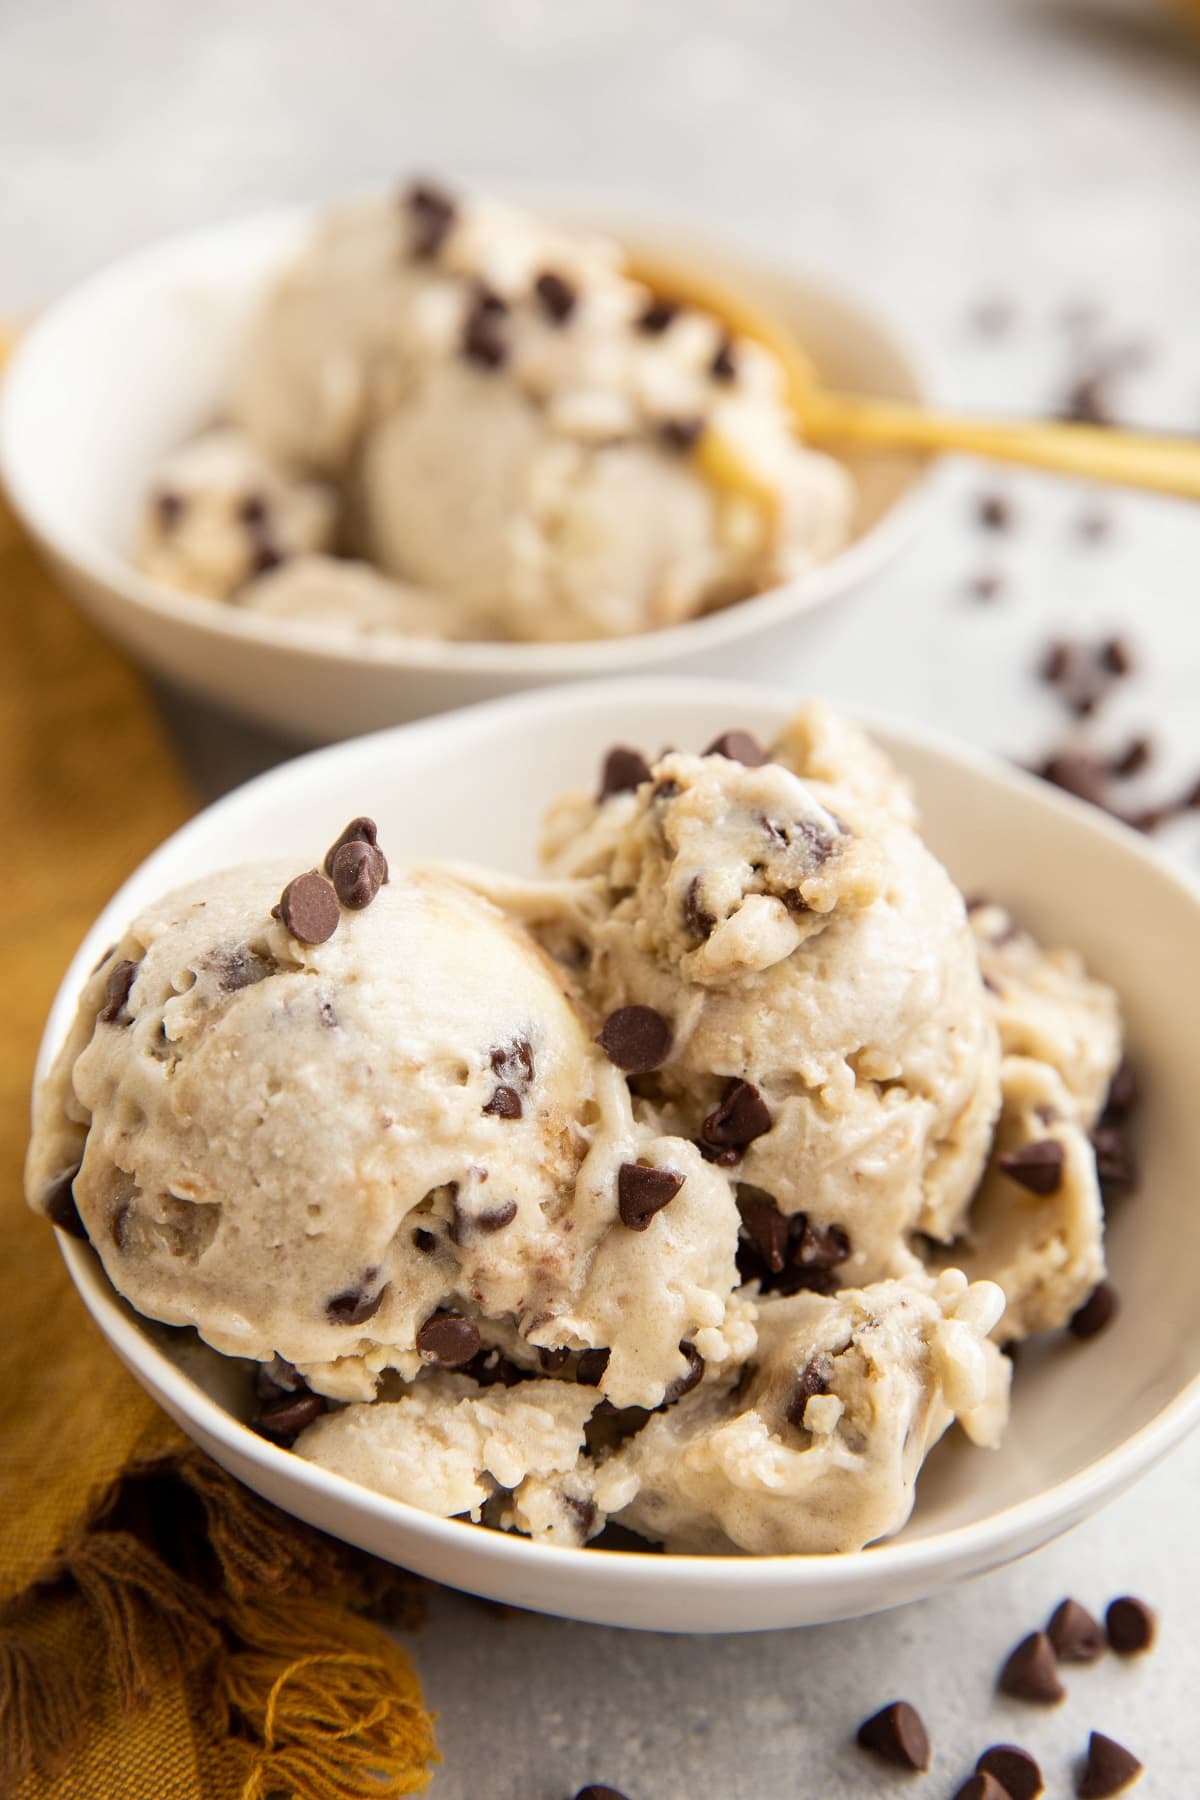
(636, 1038)
(642, 1192)
(308, 907)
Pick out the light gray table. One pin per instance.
(934, 153)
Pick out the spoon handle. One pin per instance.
(1167, 465)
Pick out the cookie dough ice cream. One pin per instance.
(694, 1187)
(505, 420)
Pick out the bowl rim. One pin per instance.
(968, 1548)
(152, 264)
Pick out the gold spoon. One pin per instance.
(1164, 464)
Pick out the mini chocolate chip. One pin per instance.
(120, 980)
(505, 1103)
(558, 296)
(692, 1377)
(58, 1205)
(357, 1304)
(656, 316)
(358, 831)
(253, 510)
(813, 1379)
(358, 872)
(896, 1733)
(485, 333)
(1038, 1167)
(642, 1192)
(636, 1038)
(994, 512)
(554, 1361)
(1108, 1769)
(1136, 756)
(681, 434)
(424, 1240)
(741, 1117)
(740, 747)
(449, 1339)
(589, 1370)
(764, 1225)
(1097, 1312)
(1056, 662)
(169, 508)
(1015, 1770)
(1031, 1672)
(241, 967)
(1116, 1166)
(288, 1418)
(266, 557)
(308, 907)
(723, 366)
(624, 770)
(496, 1217)
(1116, 657)
(432, 213)
(1131, 1625)
(1076, 1636)
(696, 916)
(987, 585)
(981, 1786)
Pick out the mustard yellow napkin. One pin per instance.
(164, 1634)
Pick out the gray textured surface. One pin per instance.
(931, 152)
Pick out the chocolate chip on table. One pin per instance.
(1031, 1671)
(1116, 657)
(741, 1117)
(696, 916)
(1097, 1312)
(814, 1379)
(1136, 756)
(1056, 662)
(681, 434)
(594, 1792)
(1077, 773)
(448, 1339)
(485, 332)
(993, 315)
(1131, 1625)
(723, 366)
(358, 874)
(636, 1038)
(994, 512)
(120, 980)
(1107, 1769)
(357, 1304)
(896, 1733)
(624, 770)
(169, 508)
(1094, 526)
(656, 316)
(692, 1376)
(989, 584)
(1016, 1771)
(589, 1370)
(308, 907)
(982, 1786)
(740, 747)
(359, 831)
(1077, 1637)
(1116, 1165)
(432, 213)
(1038, 1166)
(557, 296)
(642, 1192)
(505, 1103)
(764, 1225)
(58, 1205)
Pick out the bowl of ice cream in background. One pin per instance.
(340, 469)
(642, 1117)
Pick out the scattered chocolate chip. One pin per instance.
(681, 434)
(1116, 1165)
(981, 1786)
(1107, 1769)
(491, 1368)
(994, 512)
(1038, 1167)
(553, 1361)
(1078, 774)
(358, 831)
(624, 770)
(1123, 1092)
(1094, 526)
(1097, 1312)
(993, 315)
(505, 1103)
(1031, 1672)
(740, 747)
(253, 511)
(987, 585)
(1076, 1636)
(558, 296)
(1087, 400)
(814, 1378)
(657, 316)
(1190, 801)
(358, 874)
(589, 1370)
(424, 1241)
(286, 1419)
(1084, 701)
(241, 967)
(764, 1225)
(496, 1217)
(169, 508)
(723, 366)
(642, 1192)
(448, 1339)
(1016, 1771)
(432, 214)
(485, 332)
(1116, 657)
(58, 1205)
(120, 980)
(1056, 663)
(696, 916)
(1136, 756)
(897, 1734)
(692, 1376)
(357, 1304)
(636, 1038)
(267, 556)
(741, 1117)
(308, 907)
(594, 1792)
(1131, 1625)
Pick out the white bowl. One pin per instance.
(1087, 1418)
(137, 358)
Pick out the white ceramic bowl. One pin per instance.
(136, 359)
(1087, 1419)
